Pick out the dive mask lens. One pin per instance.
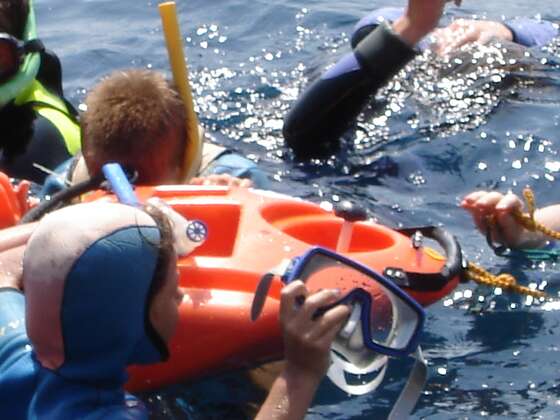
(384, 319)
(12, 51)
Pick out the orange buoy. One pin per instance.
(249, 233)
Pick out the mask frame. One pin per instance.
(398, 298)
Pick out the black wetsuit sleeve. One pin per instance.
(331, 104)
(45, 147)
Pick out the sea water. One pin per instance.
(488, 118)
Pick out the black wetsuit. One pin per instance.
(331, 104)
(27, 137)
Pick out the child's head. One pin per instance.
(136, 118)
(13, 16)
(100, 282)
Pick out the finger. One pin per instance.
(485, 37)
(470, 35)
(470, 200)
(442, 42)
(319, 299)
(290, 293)
(196, 181)
(484, 210)
(332, 320)
(510, 231)
(220, 179)
(509, 203)
(246, 183)
(325, 341)
(487, 203)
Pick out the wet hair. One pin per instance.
(161, 273)
(13, 16)
(135, 118)
(165, 247)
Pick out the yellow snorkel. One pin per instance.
(193, 149)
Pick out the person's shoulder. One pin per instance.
(531, 32)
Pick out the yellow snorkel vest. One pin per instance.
(53, 108)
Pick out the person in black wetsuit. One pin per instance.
(38, 125)
(381, 47)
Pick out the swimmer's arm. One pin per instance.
(307, 343)
(13, 337)
(290, 396)
(332, 103)
(549, 216)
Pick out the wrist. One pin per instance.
(530, 240)
(504, 32)
(409, 31)
(302, 377)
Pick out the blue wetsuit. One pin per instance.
(88, 381)
(17, 367)
(330, 105)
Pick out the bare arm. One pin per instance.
(12, 246)
(307, 344)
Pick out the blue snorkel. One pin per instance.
(118, 181)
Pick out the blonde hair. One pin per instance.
(136, 118)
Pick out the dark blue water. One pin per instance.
(437, 135)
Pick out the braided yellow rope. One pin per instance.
(506, 281)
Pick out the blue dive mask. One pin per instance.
(384, 319)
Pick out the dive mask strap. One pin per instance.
(263, 287)
(412, 390)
